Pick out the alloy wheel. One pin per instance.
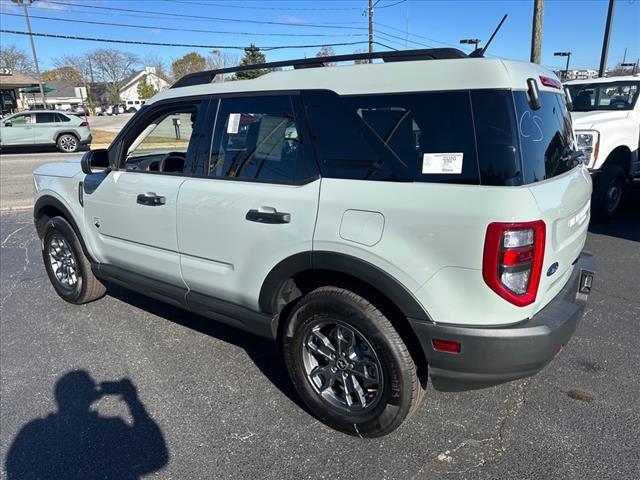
(68, 143)
(342, 367)
(63, 262)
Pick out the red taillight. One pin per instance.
(446, 346)
(550, 82)
(512, 260)
(84, 124)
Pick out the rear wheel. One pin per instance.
(607, 192)
(68, 268)
(68, 143)
(349, 364)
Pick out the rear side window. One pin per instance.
(546, 136)
(62, 118)
(45, 117)
(260, 138)
(431, 134)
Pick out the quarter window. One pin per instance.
(259, 138)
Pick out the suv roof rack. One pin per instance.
(207, 76)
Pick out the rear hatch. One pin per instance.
(560, 186)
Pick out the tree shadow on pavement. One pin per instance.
(264, 353)
(78, 443)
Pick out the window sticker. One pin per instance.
(442, 163)
(234, 123)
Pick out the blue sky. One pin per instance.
(574, 25)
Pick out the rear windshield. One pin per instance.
(488, 137)
(546, 137)
(604, 96)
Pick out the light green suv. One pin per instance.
(45, 127)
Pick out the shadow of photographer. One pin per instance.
(78, 443)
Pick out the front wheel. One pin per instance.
(68, 143)
(68, 268)
(607, 192)
(349, 364)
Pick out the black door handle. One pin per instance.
(151, 199)
(268, 217)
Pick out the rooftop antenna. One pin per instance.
(479, 52)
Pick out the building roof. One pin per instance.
(404, 76)
(63, 89)
(17, 80)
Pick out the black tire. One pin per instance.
(607, 192)
(68, 143)
(86, 287)
(131, 110)
(400, 390)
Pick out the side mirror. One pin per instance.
(95, 161)
(8, 123)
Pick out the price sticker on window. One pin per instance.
(450, 163)
(234, 123)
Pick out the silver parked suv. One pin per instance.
(384, 223)
(66, 131)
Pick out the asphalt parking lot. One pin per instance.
(214, 402)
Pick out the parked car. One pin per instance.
(132, 106)
(381, 222)
(45, 127)
(606, 118)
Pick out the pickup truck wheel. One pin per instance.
(68, 143)
(607, 192)
(349, 364)
(68, 268)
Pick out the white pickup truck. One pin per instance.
(606, 119)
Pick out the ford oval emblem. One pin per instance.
(552, 269)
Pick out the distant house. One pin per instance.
(11, 83)
(129, 88)
(65, 96)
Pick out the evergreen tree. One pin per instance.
(252, 56)
(145, 89)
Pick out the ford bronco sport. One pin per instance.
(384, 222)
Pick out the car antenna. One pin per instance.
(479, 52)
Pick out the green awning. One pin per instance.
(37, 90)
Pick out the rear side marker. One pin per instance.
(448, 346)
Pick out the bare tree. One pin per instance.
(16, 59)
(79, 63)
(112, 67)
(326, 51)
(218, 59)
(160, 65)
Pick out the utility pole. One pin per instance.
(624, 57)
(536, 31)
(24, 4)
(371, 5)
(605, 42)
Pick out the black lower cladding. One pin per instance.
(490, 356)
(220, 310)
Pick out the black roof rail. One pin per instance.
(200, 78)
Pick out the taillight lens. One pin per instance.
(84, 124)
(512, 260)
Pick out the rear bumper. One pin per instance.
(87, 140)
(490, 356)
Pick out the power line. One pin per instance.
(392, 4)
(218, 19)
(263, 8)
(188, 45)
(152, 27)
